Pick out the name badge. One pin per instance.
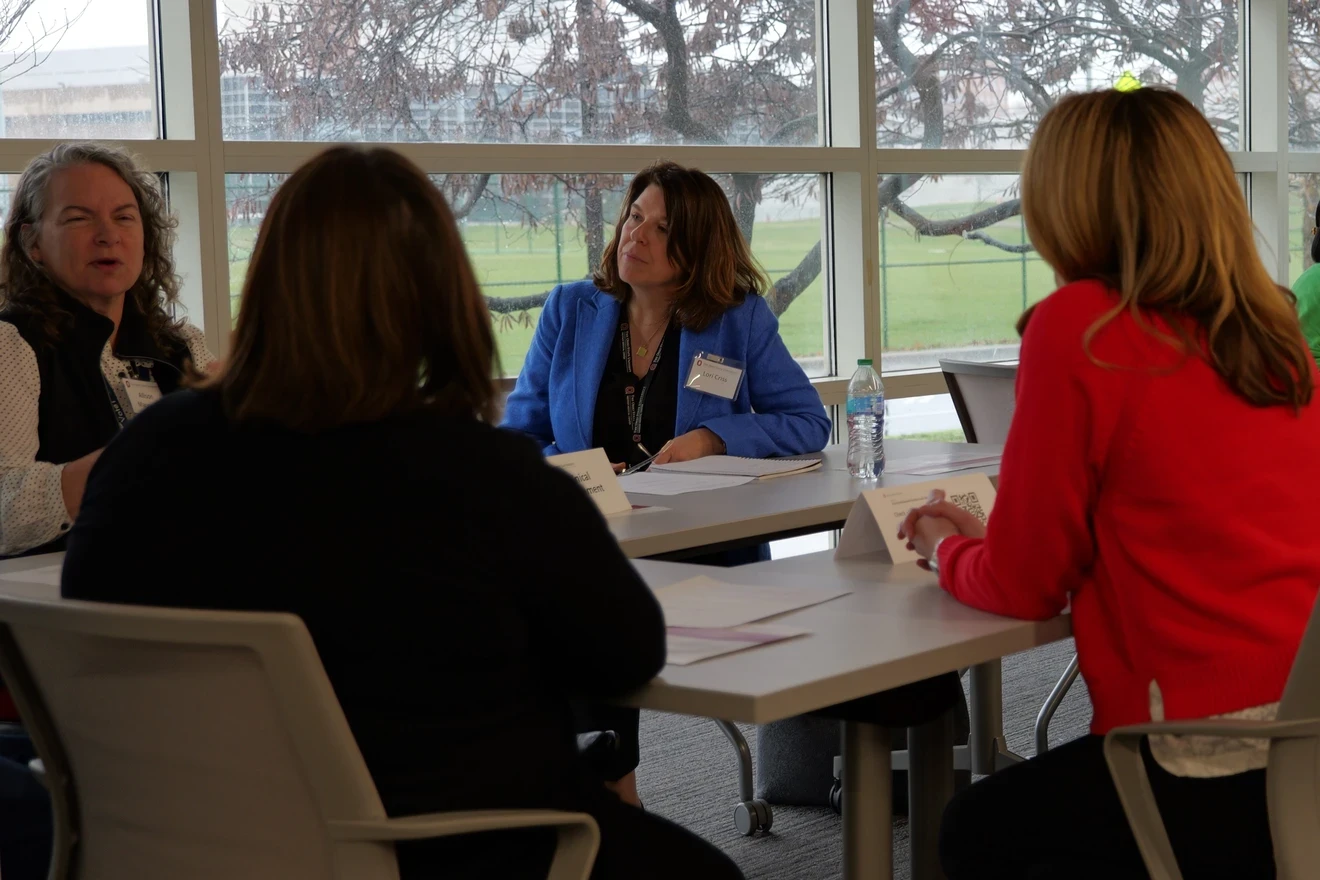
(712, 374)
(591, 468)
(141, 394)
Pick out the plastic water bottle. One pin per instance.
(866, 423)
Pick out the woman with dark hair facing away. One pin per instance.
(343, 466)
(87, 336)
(1159, 475)
(1307, 290)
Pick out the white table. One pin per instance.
(27, 589)
(896, 627)
(701, 522)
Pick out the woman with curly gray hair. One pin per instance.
(87, 335)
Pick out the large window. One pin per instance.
(876, 178)
(528, 233)
(77, 69)
(521, 71)
(956, 271)
(980, 74)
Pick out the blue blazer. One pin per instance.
(776, 411)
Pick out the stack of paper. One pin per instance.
(707, 618)
(941, 462)
(735, 466)
(647, 483)
(712, 472)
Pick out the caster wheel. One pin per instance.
(752, 817)
(836, 797)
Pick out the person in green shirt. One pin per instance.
(1307, 290)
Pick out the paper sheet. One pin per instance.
(940, 463)
(705, 602)
(733, 465)
(647, 483)
(687, 645)
(47, 574)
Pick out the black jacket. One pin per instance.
(75, 412)
(459, 590)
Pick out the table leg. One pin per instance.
(868, 826)
(989, 748)
(930, 788)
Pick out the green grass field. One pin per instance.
(937, 291)
(951, 298)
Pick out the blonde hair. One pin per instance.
(1133, 189)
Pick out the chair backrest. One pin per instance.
(189, 743)
(983, 396)
(1293, 779)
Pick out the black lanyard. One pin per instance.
(118, 410)
(636, 401)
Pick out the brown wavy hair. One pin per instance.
(359, 302)
(1133, 189)
(25, 287)
(716, 268)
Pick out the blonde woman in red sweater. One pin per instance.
(1160, 475)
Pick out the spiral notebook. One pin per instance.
(735, 466)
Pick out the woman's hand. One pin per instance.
(619, 467)
(925, 526)
(692, 445)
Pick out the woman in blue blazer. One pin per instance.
(678, 280)
(613, 361)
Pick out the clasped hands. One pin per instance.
(925, 526)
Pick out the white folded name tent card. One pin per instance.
(591, 468)
(876, 515)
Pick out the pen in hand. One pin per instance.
(644, 463)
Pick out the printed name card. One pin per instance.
(874, 520)
(591, 468)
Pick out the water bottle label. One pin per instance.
(862, 406)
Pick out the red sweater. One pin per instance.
(1180, 520)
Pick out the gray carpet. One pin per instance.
(688, 774)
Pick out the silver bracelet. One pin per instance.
(934, 561)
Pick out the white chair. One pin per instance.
(1292, 778)
(210, 745)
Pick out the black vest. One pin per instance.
(74, 411)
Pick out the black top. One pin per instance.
(612, 430)
(459, 590)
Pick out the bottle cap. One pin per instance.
(864, 362)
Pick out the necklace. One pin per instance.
(644, 348)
